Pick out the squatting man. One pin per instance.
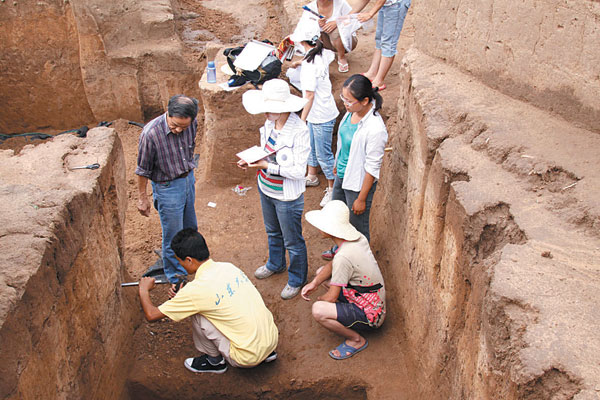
(230, 322)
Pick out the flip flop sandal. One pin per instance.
(380, 88)
(343, 68)
(343, 349)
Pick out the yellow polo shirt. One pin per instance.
(225, 296)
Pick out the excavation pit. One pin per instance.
(485, 222)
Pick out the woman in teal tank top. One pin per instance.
(362, 136)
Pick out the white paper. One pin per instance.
(253, 154)
(253, 54)
(293, 74)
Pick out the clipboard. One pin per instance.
(253, 55)
(253, 154)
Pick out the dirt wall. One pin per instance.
(40, 83)
(544, 52)
(228, 129)
(67, 64)
(476, 223)
(64, 322)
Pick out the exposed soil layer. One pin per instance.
(485, 222)
(64, 325)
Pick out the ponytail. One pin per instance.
(317, 50)
(360, 86)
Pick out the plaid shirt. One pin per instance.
(163, 155)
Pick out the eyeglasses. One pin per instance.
(346, 102)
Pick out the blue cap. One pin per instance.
(211, 64)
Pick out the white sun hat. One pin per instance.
(275, 97)
(334, 219)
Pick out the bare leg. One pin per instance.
(333, 42)
(327, 42)
(339, 47)
(384, 67)
(374, 68)
(341, 51)
(325, 313)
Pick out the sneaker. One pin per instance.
(312, 182)
(201, 364)
(271, 357)
(263, 272)
(328, 254)
(326, 197)
(289, 292)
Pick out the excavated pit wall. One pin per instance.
(65, 324)
(544, 52)
(494, 273)
(69, 63)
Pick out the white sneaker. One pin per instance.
(290, 292)
(326, 197)
(263, 272)
(312, 182)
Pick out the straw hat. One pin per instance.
(274, 97)
(334, 219)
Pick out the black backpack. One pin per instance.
(270, 68)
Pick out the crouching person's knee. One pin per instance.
(319, 310)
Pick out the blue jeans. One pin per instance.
(283, 223)
(360, 222)
(174, 201)
(389, 25)
(320, 147)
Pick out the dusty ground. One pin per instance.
(235, 233)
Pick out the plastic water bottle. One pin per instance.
(211, 72)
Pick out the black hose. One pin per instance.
(81, 132)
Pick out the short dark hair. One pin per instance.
(190, 243)
(360, 86)
(182, 106)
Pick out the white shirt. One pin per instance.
(366, 151)
(340, 7)
(292, 150)
(314, 77)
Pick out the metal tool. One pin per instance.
(181, 281)
(157, 281)
(91, 166)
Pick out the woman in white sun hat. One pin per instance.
(355, 300)
(281, 180)
(320, 111)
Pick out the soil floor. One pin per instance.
(235, 233)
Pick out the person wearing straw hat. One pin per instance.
(355, 300)
(281, 180)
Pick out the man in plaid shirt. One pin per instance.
(166, 158)
(355, 300)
